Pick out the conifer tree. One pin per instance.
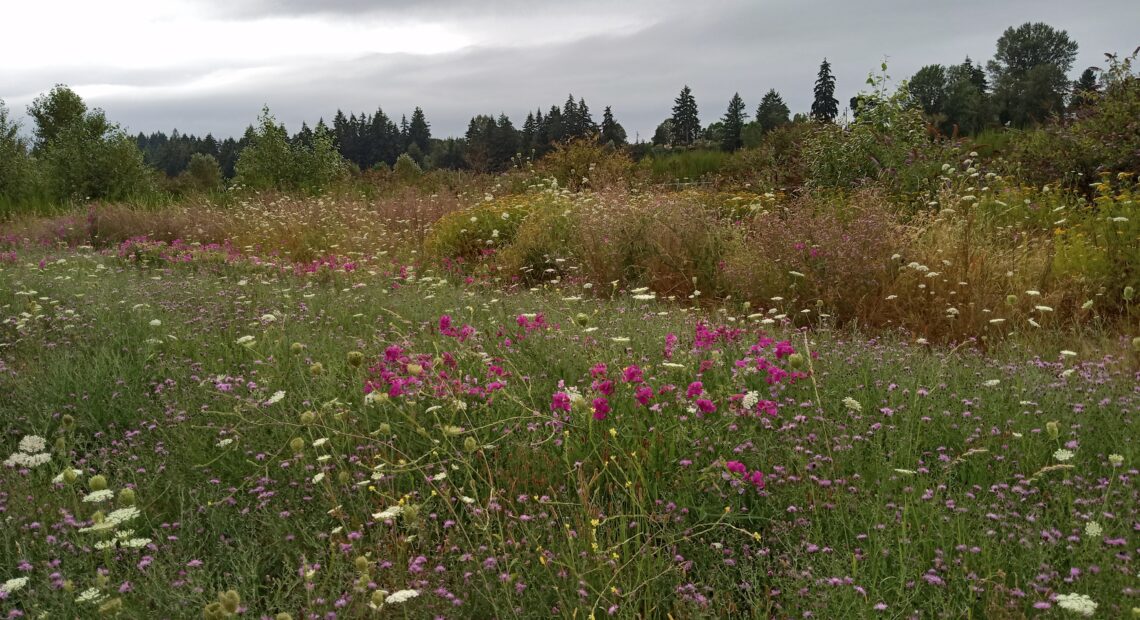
(772, 111)
(686, 124)
(825, 107)
(731, 139)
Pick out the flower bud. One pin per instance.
(317, 369)
(1129, 293)
(67, 423)
(582, 319)
(97, 482)
(230, 601)
(308, 418)
(297, 444)
(343, 477)
(384, 428)
(355, 358)
(111, 607)
(411, 512)
(127, 497)
(470, 445)
(1011, 300)
(796, 360)
(1136, 344)
(60, 444)
(69, 476)
(1053, 429)
(378, 598)
(297, 348)
(415, 370)
(283, 616)
(362, 564)
(213, 611)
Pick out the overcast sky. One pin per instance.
(209, 65)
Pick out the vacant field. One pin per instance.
(372, 440)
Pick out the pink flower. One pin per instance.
(757, 479)
(560, 401)
(644, 394)
(601, 408)
(632, 374)
(605, 387)
(705, 405)
(736, 467)
(696, 388)
(599, 370)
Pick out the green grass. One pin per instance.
(918, 499)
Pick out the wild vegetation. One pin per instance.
(882, 366)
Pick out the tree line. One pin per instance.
(77, 153)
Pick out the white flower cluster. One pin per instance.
(30, 453)
(750, 399)
(852, 404)
(1080, 604)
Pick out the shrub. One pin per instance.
(270, 161)
(482, 229)
(583, 164)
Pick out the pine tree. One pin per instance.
(825, 107)
(686, 125)
(1084, 89)
(772, 111)
(731, 139)
(419, 131)
(612, 132)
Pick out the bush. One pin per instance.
(585, 164)
(481, 230)
(271, 162)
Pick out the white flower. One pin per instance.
(32, 444)
(90, 595)
(1093, 529)
(389, 513)
(852, 404)
(1116, 460)
(1077, 603)
(12, 585)
(992, 382)
(317, 478)
(122, 515)
(620, 339)
(1043, 308)
(1068, 353)
(750, 399)
(645, 297)
(225, 442)
(320, 442)
(245, 340)
(29, 461)
(96, 497)
(401, 596)
(276, 398)
(137, 543)
(155, 323)
(268, 318)
(1063, 455)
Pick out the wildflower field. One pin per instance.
(195, 433)
(861, 370)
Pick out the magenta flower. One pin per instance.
(757, 479)
(705, 405)
(696, 388)
(643, 395)
(601, 408)
(632, 374)
(560, 401)
(736, 467)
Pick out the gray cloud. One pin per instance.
(718, 49)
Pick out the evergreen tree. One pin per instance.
(612, 132)
(1084, 89)
(419, 131)
(527, 136)
(772, 111)
(825, 107)
(686, 125)
(731, 139)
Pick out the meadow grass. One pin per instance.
(228, 437)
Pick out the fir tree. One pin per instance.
(731, 139)
(612, 132)
(772, 111)
(825, 107)
(686, 126)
